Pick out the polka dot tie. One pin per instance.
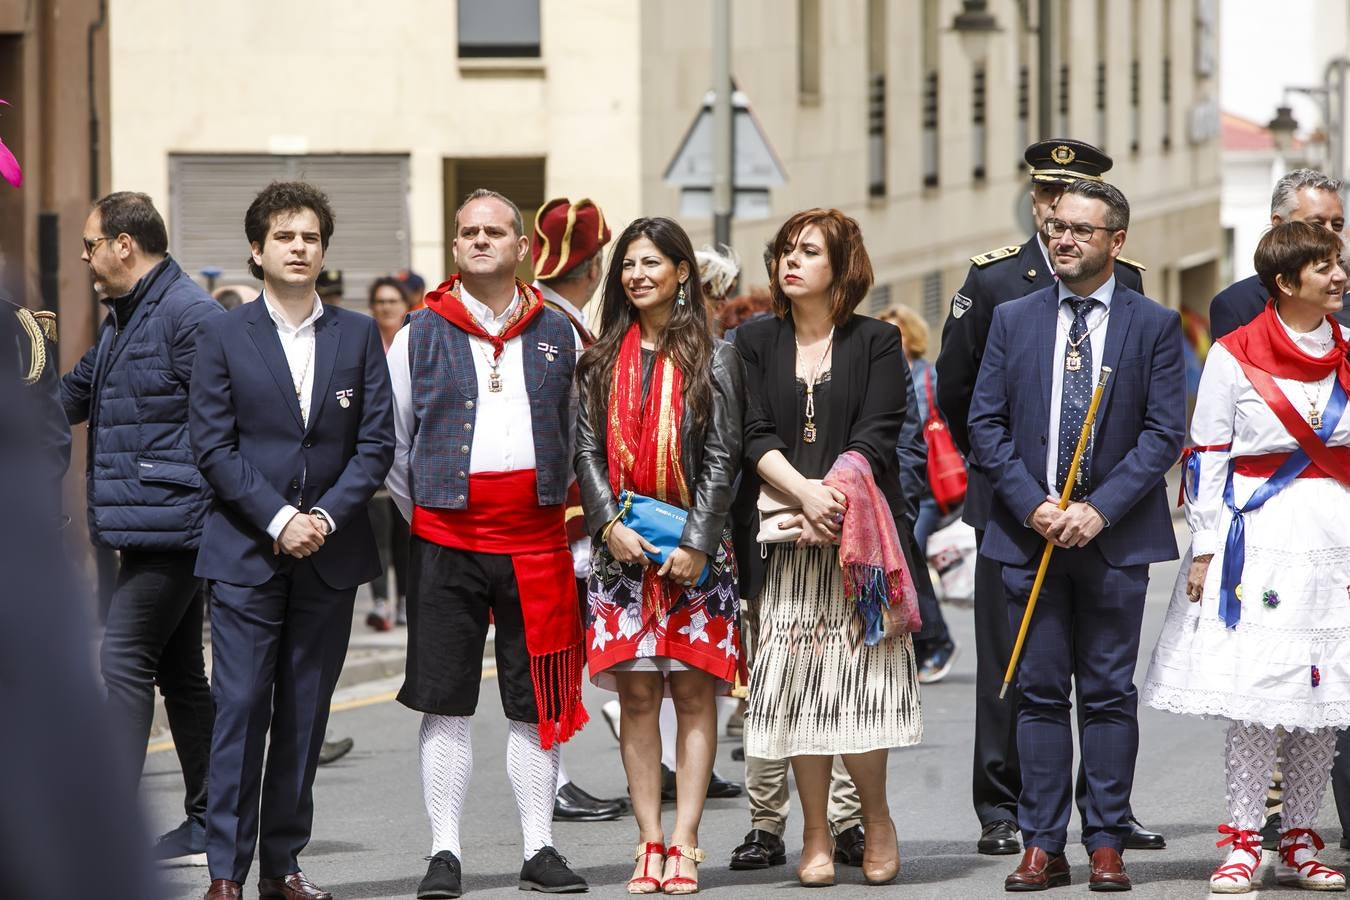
(1074, 399)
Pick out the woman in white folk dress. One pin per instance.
(1258, 624)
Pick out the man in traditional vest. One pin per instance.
(568, 254)
(484, 406)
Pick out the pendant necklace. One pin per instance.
(809, 428)
(494, 377)
(1314, 415)
(1073, 360)
(304, 373)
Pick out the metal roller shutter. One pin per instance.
(208, 195)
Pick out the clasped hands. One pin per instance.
(1075, 526)
(822, 516)
(304, 534)
(629, 547)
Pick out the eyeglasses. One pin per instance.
(1081, 231)
(91, 246)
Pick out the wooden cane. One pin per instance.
(1078, 452)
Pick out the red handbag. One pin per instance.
(946, 468)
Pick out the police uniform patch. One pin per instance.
(960, 305)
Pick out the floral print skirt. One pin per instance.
(700, 630)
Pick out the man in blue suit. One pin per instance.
(292, 425)
(1044, 354)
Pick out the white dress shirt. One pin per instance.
(1097, 322)
(297, 342)
(507, 444)
(1228, 410)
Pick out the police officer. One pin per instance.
(995, 276)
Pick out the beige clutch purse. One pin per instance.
(775, 507)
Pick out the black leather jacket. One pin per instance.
(711, 460)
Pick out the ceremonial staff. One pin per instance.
(1083, 437)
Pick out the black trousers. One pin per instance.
(154, 637)
(391, 537)
(997, 780)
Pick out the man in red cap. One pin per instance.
(568, 253)
(568, 245)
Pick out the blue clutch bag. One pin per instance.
(660, 524)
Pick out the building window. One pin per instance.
(1064, 98)
(932, 299)
(1023, 130)
(879, 299)
(501, 28)
(1103, 49)
(1167, 75)
(979, 134)
(808, 51)
(930, 129)
(1136, 23)
(876, 98)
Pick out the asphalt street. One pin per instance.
(371, 834)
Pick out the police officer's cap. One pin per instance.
(1061, 160)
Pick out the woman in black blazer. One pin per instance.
(821, 381)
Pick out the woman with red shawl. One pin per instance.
(660, 416)
(1256, 628)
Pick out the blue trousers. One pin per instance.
(276, 652)
(1084, 633)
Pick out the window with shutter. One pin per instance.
(208, 195)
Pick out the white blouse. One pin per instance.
(1228, 410)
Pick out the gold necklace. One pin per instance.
(1314, 415)
(494, 377)
(809, 428)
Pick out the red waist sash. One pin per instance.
(503, 516)
(1264, 465)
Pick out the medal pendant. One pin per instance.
(1315, 419)
(809, 433)
(1073, 361)
(495, 382)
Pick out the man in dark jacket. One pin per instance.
(146, 498)
(1303, 195)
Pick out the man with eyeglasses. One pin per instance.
(147, 499)
(1045, 353)
(1303, 195)
(996, 277)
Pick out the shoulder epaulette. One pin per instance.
(37, 359)
(1132, 264)
(46, 320)
(985, 259)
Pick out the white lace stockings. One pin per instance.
(534, 778)
(446, 751)
(1250, 752)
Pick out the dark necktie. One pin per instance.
(1074, 398)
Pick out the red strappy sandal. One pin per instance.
(1298, 865)
(1236, 873)
(647, 883)
(678, 883)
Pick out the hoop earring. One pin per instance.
(679, 298)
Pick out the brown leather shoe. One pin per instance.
(1108, 871)
(1038, 871)
(291, 887)
(224, 889)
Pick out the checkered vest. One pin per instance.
(445, 404)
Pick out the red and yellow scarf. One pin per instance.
(445, 302)
(644, 441)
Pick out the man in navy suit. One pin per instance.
(1042, 359)
(1303, 195)
(292, 425)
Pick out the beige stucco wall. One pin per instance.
(350, 76)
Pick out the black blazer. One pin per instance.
(870, 383)
(710, 459)
(258, 457)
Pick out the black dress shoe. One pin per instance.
(549, 873)
(848, 846)
(999, 839)
(760, 850)
(1140, 838)
(572, 804)
(332, 751)
(442, 881)
(721, 789)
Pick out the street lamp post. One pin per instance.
(723, 195)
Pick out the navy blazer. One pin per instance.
(1140, 426)
(258, 457)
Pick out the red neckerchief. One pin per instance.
(1265, 351)
(644, 439)
(446, 302)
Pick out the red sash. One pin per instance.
(1265, 464)
(503, 516)
(1333, 464)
